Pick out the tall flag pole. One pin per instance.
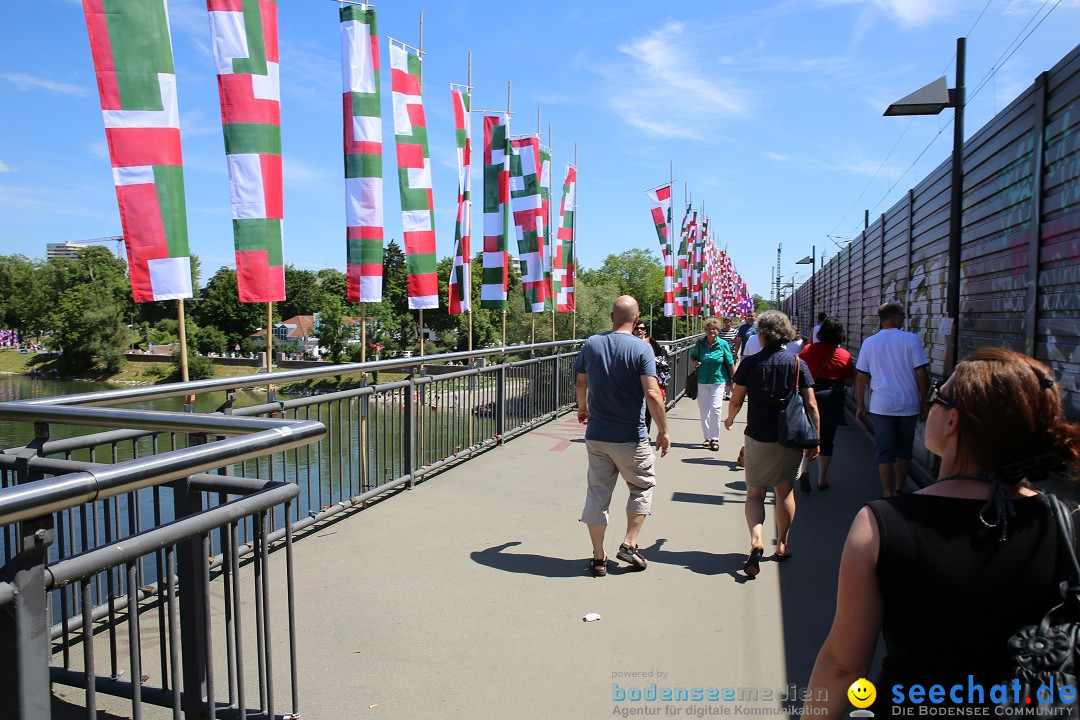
(245, 42)
(362, 129)
(414, 180)
(496, 197)
(525, 168)
(460, 299)
(564, 239)
(661, 215)
(549, 236)
(133, 59)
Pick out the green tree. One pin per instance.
(220, 307)
(90, 298)
(22, 295)
(761, 304)
(333, 332)
(211, 340)
(637, 273)
(303, 291)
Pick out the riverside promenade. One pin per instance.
(464, 597)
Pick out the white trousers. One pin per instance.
(710, 402)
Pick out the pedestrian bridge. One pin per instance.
(408, 579)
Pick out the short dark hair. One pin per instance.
(821, 317)
(831, 332)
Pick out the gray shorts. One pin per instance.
(607, 460)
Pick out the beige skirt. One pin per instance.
(769, 464)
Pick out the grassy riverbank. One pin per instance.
(152, 373)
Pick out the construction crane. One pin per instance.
(118, 239)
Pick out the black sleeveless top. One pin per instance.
(952, 594)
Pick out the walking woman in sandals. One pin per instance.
(713, 359)
(766, 378)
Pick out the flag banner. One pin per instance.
(245, 42)
(547, 239)
(461, 274)
(566, 261)
(682, 268)
(361, 102)
(661, 216)
(527, 206)
(496, 260)
(414, 179)
(133, 61)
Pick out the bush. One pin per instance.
(200, 367)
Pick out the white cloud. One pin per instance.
(5, 168)
(776, 156)
(28, 82)
(912, 13)
(670, 91)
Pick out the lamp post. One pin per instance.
(811, 260)
(931, 100)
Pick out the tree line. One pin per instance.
(81, 307)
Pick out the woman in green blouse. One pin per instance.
(713, 359)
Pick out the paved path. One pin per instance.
(464, 597)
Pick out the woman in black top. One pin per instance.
(766, 378)
(950, 573)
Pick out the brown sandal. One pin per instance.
(598, 567)
(630, 554)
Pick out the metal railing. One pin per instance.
(133, 528)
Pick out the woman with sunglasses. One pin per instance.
(950, 573)
(663, 371)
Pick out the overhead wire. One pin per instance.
(1005, 56)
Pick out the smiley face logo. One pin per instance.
(862, 693)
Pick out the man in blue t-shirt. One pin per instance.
(616, 372)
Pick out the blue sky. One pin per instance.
(769, 111)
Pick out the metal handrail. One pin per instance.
(194, 387)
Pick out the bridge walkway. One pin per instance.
(464, 597)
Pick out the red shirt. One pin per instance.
(828, 362)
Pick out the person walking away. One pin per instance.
(948, 575)
(894, 365)
(728, 334)
(833, 370)
(765, 379)
(745, 330)
(616, 378)
(712, 358)
(663, 370)
(817, 328)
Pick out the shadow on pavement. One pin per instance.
(529, 564)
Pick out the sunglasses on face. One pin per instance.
(640, 328)
(939, 398)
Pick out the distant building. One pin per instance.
(62, 250)
(301, 329)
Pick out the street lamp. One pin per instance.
(931, 100)
(811, 260)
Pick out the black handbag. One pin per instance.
(1047, 655)
(691, 385)
(794, 427)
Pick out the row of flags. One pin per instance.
(132, 50)
(699, 278)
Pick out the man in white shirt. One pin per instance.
(821, 317)
(895, 365)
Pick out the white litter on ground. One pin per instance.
(591, 617)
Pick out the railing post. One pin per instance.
(408, 446)
(500, 401)
(555, 385)
(24, 628)
(191, 564)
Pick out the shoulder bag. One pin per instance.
(691, 378)
(794, 427)
(1046, 657)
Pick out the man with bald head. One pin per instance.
(616, 378)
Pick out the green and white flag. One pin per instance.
(527, 206)
(496, 259)
(133, 60)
